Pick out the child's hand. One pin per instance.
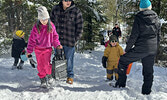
(59, 47)
(32, 62)
(28, 54)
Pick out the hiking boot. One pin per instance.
(69, 80)
(43, 83)
(50, 79)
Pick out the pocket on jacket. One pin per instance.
(70, 20)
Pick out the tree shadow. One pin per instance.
(28, 89)
(103, 87)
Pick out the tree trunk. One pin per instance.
(89, 29)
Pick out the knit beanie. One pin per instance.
(19, 33)
(145, 4)
(42, 13)
(113, 38)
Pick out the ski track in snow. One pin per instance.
(89, 82)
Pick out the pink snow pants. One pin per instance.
(43, 56)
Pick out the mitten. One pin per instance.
(32, 62)
(23, 52)
(104, 60)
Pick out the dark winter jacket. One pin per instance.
(116, 31)
(18, 46)
(145, 33)
(69, 23)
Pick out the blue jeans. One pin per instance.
(69, 54)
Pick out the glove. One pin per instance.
(104, 60)
(32, 62)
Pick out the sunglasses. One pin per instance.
(67, 0)
(114, 41)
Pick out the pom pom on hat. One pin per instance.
(42, 13)
(19, 33)
(145, 4)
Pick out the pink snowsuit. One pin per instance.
(42, 44)
(106, 44)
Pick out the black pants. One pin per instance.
(147, 62)
(16, 60)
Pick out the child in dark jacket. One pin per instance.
(112, 54)
(18, 45)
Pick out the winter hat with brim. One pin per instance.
(42, 13)
(19, 33)
(145, 4)
(113, 38)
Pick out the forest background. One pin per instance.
(98, 15)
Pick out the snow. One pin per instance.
(163, 21)
(92, 1)
(89, 82)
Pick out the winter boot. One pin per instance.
(14, 67)
(15, 64)
(50, 79)
(121, 82)
(43, 82)
(69, 80)
(109, 77)
(20, 65)
(146, 91)
(146, 88)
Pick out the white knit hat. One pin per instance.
(42, 13)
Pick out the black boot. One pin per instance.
(121, 82)
(16, 60)
(43, 82)
(146, 91)
(146, 88)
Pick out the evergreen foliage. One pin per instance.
(21, 14)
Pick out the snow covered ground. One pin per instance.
(89, 82)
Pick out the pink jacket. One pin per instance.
(44, 39)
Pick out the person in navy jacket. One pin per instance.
(142, 45)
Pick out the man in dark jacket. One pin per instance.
(116, 31)
(69, 25)
(142, 44)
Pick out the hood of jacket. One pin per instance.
(149, 16)
(72, 6)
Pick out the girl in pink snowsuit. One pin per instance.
(43, 36)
